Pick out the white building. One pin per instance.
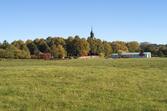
(132, 55)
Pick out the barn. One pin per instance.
(132, 55)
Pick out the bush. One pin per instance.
(101, 55)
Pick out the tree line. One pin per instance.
(60, 47)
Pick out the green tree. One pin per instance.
(50, 41)
(42, 45)
(21, 52)
(162, 51)
(59, 41)
(76, 46)
(2, 53)
(4, 45)
(100, 47)
(10, 52)
(55, 41)
(32, 47)
(70, 46)
(147, 47)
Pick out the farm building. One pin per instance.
(132, 55)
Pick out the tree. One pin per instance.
(107, 48)
(162, 51)
(80, 46)
(21, 52)
(42, 45)
(161, 54)
(50, 41)
(83, 47)
(70, 46)
(133, 46)
(32, 47)
(77, 46)
(11, 52)
(55, 41)
(59, 41)
(92, 46)
(58, 51)
(100, 47)
(96, 46)
(153, 48)
(119, 45)
(8, 52)
(2, 53)
(4, 45)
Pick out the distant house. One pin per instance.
(132, 55)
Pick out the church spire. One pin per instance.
(91, 33)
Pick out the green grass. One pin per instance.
(84, 85)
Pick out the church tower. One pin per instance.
(92, 34)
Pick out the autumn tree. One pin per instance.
(83, 47)
(107, 48)
(58, 51)
(92, 45)
(133, 46)
(119, 45)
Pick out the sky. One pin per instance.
(112, 20)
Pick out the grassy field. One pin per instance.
(84, 85)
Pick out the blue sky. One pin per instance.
(126, 20)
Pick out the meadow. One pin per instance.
(84, 85)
